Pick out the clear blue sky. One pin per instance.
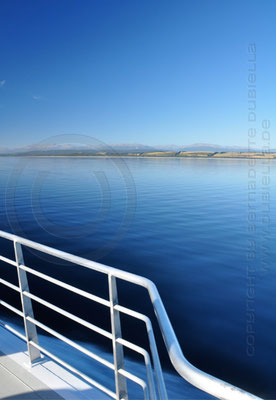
(134, 71)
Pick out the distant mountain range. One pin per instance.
(123, 148)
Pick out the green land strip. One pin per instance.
(208, 154)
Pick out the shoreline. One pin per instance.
(190, 155)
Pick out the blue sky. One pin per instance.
(143, 71)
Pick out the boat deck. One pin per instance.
(18, 383)
(45, 380)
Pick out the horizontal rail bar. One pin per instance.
(71, 343)
(8, 261)
(11, 308)
(74, 370)
(132, 313)
(14, 331)
(195, 376)
(135, 348)
(66, 286)
(137, 380)
(67, 314)
(10, 285)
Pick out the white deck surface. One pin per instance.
(46, 380)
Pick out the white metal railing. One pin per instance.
(196, 377)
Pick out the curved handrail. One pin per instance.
(208, 383)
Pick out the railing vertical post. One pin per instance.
(118, 352)
(27, 308)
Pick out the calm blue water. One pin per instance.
(184, 223)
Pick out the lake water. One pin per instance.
(198, 228)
